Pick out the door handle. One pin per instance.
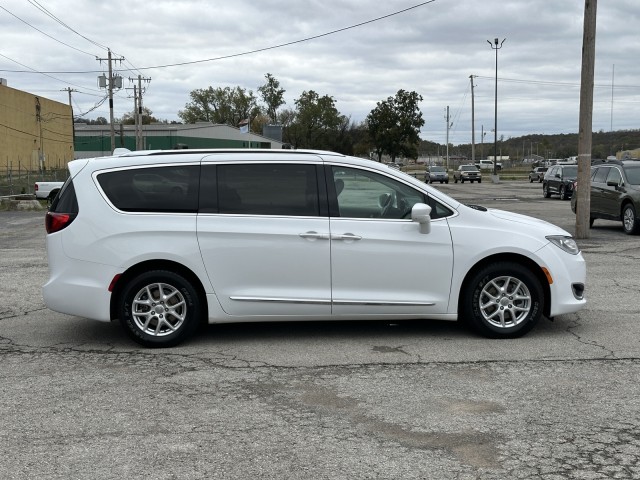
(314, 235)
(346, 237)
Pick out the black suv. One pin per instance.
(615, 193)
(559, 181)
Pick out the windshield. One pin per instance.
(633, 175)
(436, 169)
(468, 168)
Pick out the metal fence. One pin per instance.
(20, 181)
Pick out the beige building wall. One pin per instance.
(35, 132)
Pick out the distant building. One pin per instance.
(95, 140)
(35, 133)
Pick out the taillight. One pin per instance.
(35, 187)
(54, 222)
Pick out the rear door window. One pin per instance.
(166, 189)
(262, 189)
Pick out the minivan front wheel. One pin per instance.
(630, 222)
(503, 300)
(160, 308)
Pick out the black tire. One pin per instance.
(495, 313)
(447, 182)
(455, 180)
(52, 195)
(462, 180)
(530, 179)
(563, 193)
(630, 222)
(181, 309)
(545, 191)
(480, 181)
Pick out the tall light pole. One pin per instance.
(496, 45)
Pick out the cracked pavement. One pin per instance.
(326, 400)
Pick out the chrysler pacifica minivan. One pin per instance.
(166, 240)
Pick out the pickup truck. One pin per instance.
(488, 165)
(47, 190)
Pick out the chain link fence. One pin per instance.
(20, 181)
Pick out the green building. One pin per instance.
(95, 140)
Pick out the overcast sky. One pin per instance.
(431, 49)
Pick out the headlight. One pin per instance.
(568, 244)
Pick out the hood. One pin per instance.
(526, 220)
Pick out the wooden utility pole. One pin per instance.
(473, 125)
(583, 200)
(73, 125)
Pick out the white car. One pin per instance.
(263, 235)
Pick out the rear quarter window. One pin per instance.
(66, 200)
(167, 189)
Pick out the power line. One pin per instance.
(45, 34)
(547, 82)
(33, 70)
(250, 52)
(56, 19)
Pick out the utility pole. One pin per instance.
(110, 83)
(135, 113)
(449, 124)
(73, 125)
(138, 113)
(585, 130)
(496, 45)
(473, 125)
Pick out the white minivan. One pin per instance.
(166, 240)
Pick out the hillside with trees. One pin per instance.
(547, 146)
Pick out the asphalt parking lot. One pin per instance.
(326, 400)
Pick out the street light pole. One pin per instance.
(496, 45)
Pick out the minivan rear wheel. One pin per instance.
(503, 300)
(160, 308)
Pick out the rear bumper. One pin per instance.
(88, 285)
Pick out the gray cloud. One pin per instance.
(432, 49)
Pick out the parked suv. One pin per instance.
(467, 172)
(615, 193)
(164, 240)
(436, 173)
(559, 180)
(537, 174)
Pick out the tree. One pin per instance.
(315, 120)
(273, 96)
(394, 125)
(129, 118)
(228, 106)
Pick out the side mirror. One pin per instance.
(421, 214)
